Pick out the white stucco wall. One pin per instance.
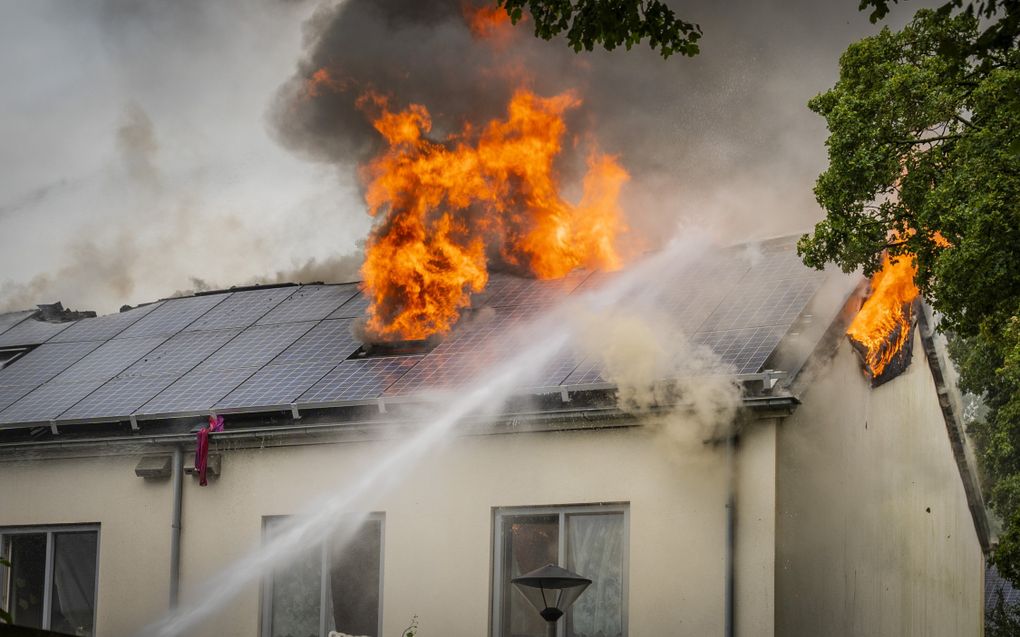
(134, 534)
(874, 536)
(438, 521)
(438, 530)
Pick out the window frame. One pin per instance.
(50, 530)
(266, 587)
(562, 511)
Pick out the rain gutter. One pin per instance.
(326, 432)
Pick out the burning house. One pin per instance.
(734, 468)
(722, 440)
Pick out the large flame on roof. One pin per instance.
(445, 208)
(882, 327)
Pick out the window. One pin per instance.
(589, 540)
(333, 586)
(51, 582)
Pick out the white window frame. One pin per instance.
(49, 531)
(266, 623)
(562, 510)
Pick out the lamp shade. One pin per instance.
(551, 589)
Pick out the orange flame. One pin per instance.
(883, 325)
(446, 207)
(323, 81)
(488, 21)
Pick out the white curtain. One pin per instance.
(74, 579)
(595, 544)
(296, 591)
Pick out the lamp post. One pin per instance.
(551, 590)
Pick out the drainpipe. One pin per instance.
(731, 528)
(177, 478)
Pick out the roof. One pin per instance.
(272, 348)
(994, 584)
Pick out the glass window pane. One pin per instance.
(595, 550)
(529, 541)
(27, 554)
(355, 560)
(73, 604)
(295, 591)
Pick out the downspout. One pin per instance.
(177, 478)
(731, 529)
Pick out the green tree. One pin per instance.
(609, 24)
(924, 140)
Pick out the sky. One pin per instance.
(156, 147)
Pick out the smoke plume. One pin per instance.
(639, 352)
(169, 140)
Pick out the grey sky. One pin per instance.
(142, 144)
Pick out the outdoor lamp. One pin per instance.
(551, 590)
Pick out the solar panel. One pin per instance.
(747, 349)
(310, 303)
(10, 394)
(195, 391)
(275, 385)
(47, 402)
(777, 302)
(255, 346)
(359, 379)
(101, 328)
(243, 308)
(588, 372)
(119, 397)
(505, 290)
(109, 359)
(43, 363)
(328, 342)
(10, 319)
(32, 332)
(173, 316)
(181, 353)
(553, 372)
(357, 307)
(472, 348)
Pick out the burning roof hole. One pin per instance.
(394, 348)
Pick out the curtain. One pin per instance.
(595, 544)
(529, 542)
(355, 561)
(296, 591)
(74, 583)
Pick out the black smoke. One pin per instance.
(723, 138)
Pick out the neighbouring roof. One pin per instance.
(995, 584)
(263, 349)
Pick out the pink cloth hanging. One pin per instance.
(202, 447)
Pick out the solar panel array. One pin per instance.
(267, 348)
(101, 328)
(10, 319)
(31, 331)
